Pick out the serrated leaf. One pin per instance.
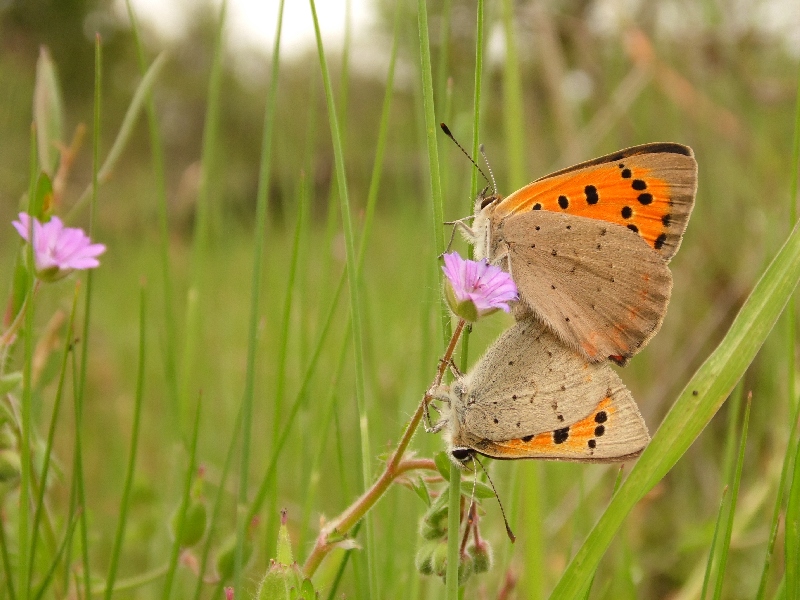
(442, 465)
(48, 112)
(421, 490)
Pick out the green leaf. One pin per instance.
(48, 112)
(442, 464)
(421, 490)
(481, 491)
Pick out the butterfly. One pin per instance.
(589, 246)
(530, 396)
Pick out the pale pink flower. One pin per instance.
(58, 250)
(475, 289)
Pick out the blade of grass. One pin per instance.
(282, 346)
(431, 130)
(695, 406)
(157, 150)
(202, 224)
(49, 576)
(355, 305)
(68, 343)
(445, 15)
(286, 314)
(454, 493)
(792, 532)
(6, 560)
(788, 457)
(322, 434)
(513, 122)
(792, 523)
(141, 94)
(625, 549)
(259, 234)
(737, 478)
(712, 548)
(187, 488)
(728, 462)
(126, 490)
(87, 312)
(23, 532)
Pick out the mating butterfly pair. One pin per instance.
(588, 248)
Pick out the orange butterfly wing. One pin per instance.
(649, 188)
(614, 431)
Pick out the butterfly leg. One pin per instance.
(439, 392)
(459, 224)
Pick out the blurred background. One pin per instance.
(593, 75)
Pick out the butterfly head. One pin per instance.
(461, 455)
(486, 197)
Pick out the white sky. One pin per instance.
(254, 21)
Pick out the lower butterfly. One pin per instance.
(530, 396)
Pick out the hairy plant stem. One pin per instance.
(394, 468)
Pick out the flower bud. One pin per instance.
(424, 558)
(482, 556)
(431, 531)
(465, 567)
(194, 524)
(439, 558)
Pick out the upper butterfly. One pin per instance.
(588, 246)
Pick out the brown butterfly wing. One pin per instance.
(598, 286)
(527, 382)
(613, 431)
(650, 189)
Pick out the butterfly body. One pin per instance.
(530, 396)
(588, 246)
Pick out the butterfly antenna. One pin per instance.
(488, 166)
(510, 533)
(447, 132)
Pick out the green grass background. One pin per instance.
(726, 89)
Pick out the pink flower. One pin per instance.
(475, 289)
(58, 250)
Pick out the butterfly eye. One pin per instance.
(461, 454)
(487, 201)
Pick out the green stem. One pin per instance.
(187, 487)
(126, 490)
(453, 528)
